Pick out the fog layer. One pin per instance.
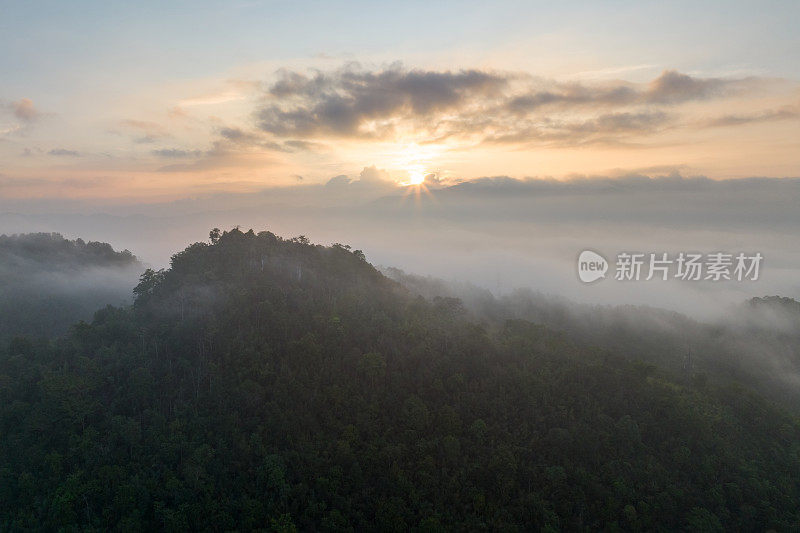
(496, 232)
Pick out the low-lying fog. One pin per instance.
(498, 233)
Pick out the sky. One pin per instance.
(153, 101)
(486, 142)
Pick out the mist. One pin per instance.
(755, 343)
(48, 284)
(508, 248)
(498, 233)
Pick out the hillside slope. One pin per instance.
(271, 384)
(756, 343)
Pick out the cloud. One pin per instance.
(673, 87)
(211, 99)
(338, 181)
(475, 106)
(24, 114)
(39, 183)
(572, 94)
(374, 175)
(668, 192)
(432, 180)
(176, 153)
(233, 147)
(770, 115)
(302, 146)
(608, 128)
(221, 155)
(350, 102)
(239, 136)
(257, 140)
(370, 178)
(498, 232)
(61, 152)
(25, 110)
(670, 88)
(147, 132)
(312, 111)
(11, 129)
(237, 89)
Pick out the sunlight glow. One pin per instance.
(416, 177)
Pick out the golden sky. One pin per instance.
(143, 109)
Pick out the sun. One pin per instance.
(415, 185)
(416, 177)
(411, 162)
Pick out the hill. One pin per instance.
(48, 283)
(270, 384)
(756, 343)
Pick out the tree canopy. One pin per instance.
(268, 384)
(48, 283)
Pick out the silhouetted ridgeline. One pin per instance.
(51, 251)
(47, 282)
(263, 383)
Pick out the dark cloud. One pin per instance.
(64, 152)
(239, 136)
(573, 94)
(343, 102)
(474, 105)
(175, 153)
(673, 87)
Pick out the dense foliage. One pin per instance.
(48, 283)
(272, 384)
(756, 342)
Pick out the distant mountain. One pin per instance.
(48, 283)
(275, 385)
(789, 307)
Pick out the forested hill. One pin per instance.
(271, 384)
(51, 251)
(48, 283)
(756, 343)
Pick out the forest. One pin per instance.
(270, 384)
(48, 283)
(756, 342)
